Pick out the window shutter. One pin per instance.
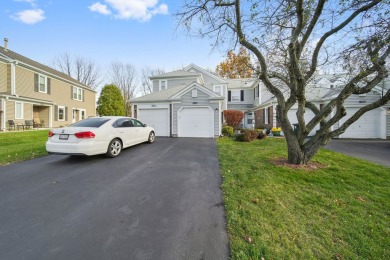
(264, 116)
(36, 83)
(66, 113)
(48, 86)
(82, 93)
(254, 93)
(229, 95)
(242, 95)
(71, 92)
(55, 113)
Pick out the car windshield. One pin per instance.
(90, 122)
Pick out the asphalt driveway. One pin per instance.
(377, 151)
(158, 201)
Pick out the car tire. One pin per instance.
(151, 138)
(114, 148)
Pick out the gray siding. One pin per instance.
(187, 101)
(209, 81)
(248, 100)
(359, 101)
(173, 83)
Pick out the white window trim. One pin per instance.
(266, 116)
(221, 89)
(194, 93)
(21, 110)
(39, 83)
(239, 95)
(75, 90)
(81, 112)
(166, 84)
(58, 113)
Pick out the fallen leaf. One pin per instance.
(361, 199)
(248, 239)
(255, 200)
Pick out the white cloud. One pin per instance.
(32, 16)
(99, 8)
(142, 10)
(31, 2)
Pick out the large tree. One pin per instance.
(146, 84)
(293, 40)
(84, 70)
(124, 76)
(110, 102)
(236, 65)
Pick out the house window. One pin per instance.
(163, 84)
(78, 94)
(194, 93)
(61, 113)
(218, 89)
(18, 110)
(236, 96)
(82, 114)
(42, 84)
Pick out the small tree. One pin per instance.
(233, 118)
(236, 66)
(111, 102)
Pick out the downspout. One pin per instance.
(13, 78)
(3, 108)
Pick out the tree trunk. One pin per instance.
(300, 154)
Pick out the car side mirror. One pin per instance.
(145, 125)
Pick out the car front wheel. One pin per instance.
(114, 148)
(151, 137)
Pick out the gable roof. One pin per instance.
(176, 74)
(242, 83)
(208, 73)
(174, 93)
(13, 56)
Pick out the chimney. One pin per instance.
(6, 44)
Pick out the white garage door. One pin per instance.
(196, 122)
(368, 125)
(156, 118)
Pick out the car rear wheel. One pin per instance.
(151, 137)
(114, 148)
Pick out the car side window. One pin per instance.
(123, 122)
(137, 123)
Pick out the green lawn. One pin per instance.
(24, 145)
(341, 211)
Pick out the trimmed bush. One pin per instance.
(247, 136)
(233, 118)
(227, 131)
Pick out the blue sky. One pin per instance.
(139, 32)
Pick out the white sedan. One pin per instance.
(99, 135)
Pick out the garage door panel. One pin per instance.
(156, 118)
(367, 126)
(196, 122)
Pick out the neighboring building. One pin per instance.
(323, 88)
(32, 91)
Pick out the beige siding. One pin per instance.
(3, 77)
(60, 94)
(9, 78)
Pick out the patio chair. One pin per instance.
(11, 124)
(28, 124)
(37, 123)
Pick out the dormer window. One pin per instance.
(163, 85)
